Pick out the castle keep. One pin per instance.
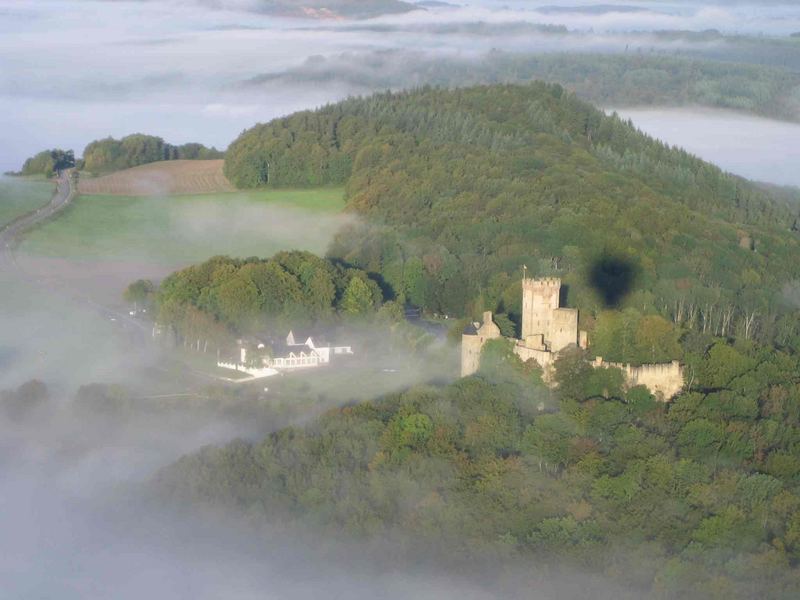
(547, 329)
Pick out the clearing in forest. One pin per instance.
(165, 178)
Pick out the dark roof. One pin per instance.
(470, 329)
(300, 334)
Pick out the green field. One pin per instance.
(182, 229)
(19, 195)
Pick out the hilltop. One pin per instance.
(661, 251)
(462, 187)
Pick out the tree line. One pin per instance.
(109, 154)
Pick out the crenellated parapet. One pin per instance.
(541, 282)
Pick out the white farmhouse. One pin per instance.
(297, 352)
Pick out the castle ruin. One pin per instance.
(547, 329)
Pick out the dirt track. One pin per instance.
(164, 178)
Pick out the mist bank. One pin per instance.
(79, 522)
(626, 79)
(173, 68)
(755, 148)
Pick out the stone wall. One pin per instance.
(563, 329)
(665, 380)
(543, 357)
(472, 344)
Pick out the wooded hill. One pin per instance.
(694, 499)
(462, 187)
(605, 79)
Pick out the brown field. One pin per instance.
(164, 178)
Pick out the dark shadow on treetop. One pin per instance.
(613, 278)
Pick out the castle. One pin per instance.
(547, 329)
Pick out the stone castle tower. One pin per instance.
(545, 325)
(472, 341)
(547, 329)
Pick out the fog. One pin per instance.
(75, 524)
(73, 71)
(75, 520)
(756, 148)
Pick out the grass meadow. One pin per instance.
(190, 228)
(19, 195)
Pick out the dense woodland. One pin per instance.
(207, 305)
(666, 256)
(698, 498)
(109, 154)
(630, 79)
(463, 187)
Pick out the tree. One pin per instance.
(48, 162)
(657, 340)
(357, 298)
(23, 401)
(140, 292)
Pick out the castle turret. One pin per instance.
(472, 341)
(544, 324)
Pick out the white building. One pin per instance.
(298, 352)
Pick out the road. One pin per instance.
(10, 233)
(137, 330)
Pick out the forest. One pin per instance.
(698, 498)
(666, 256)
(109, 154)
(460, 188)
(616, 80)
(211, 303)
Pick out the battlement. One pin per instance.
(541, 283)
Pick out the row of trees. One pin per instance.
(109, 154)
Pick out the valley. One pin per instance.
(518, 285)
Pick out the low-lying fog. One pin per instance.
(75, 526)
(73, 71)
(753, 147)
